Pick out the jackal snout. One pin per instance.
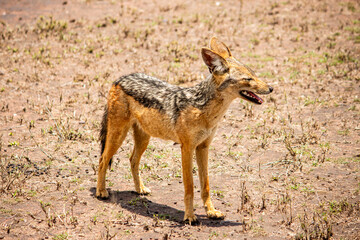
(268, 90)
(271, 89)
(259, 86)
(251, 87)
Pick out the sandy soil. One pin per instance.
(288, 169)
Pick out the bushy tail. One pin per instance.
(103, 132)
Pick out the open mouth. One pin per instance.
(252, 97)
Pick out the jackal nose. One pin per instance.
(271, 89)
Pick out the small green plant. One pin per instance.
(12, 49)
(338, 207)
(94, 219)
(213, 234)
(50, 217)
(331, 45)
(255, 41)
(14, 143)
(307, 190)
(119, 215)
(294, 74)
(275, 178)
(318, 226)
(324, 58)
(145, 166)
(218, 193)
(161, 216)
(61, 236)
(134, 201)
(342, 57)
(50, 25)
(351, 7)
(267, 75)
(344, 132)
(32, 193)
(75, 180)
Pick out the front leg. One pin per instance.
(202, 161)
(187, 152)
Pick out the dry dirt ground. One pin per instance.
(288, 169)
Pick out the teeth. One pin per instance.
(251, 96)
(247, 94)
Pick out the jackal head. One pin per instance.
(232, 76)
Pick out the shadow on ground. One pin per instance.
(141, 205)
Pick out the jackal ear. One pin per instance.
(216, 63)
(219, 47)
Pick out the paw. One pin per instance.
(215, 214)
(102, 194)
(144, 191)
(190, 219)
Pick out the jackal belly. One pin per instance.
(154, 123)
(190, 127)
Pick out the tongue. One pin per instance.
(255, 96)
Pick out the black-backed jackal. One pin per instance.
(188, 116)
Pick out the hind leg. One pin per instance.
(141, 140)
(115, 136)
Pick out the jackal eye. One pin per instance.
(248, 79)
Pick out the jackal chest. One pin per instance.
(202, 134)
(195, 126)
